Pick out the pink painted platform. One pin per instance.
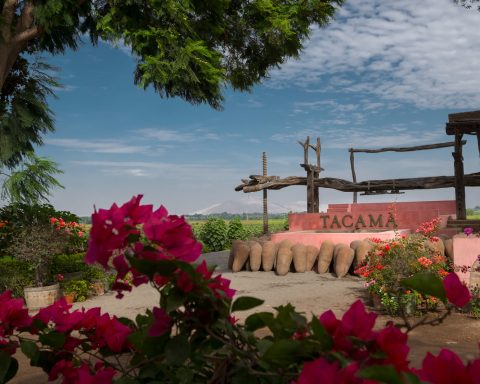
(466, 250)
(317, 238)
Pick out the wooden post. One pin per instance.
(265, 203)
(459, 178)
(354, 176)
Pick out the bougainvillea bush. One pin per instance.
(390, 262)
(192, 336)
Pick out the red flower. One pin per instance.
(161, 324)
(457, 293)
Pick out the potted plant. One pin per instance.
(37, 244)
(76, 289)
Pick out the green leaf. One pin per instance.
(381, 373)
(426, 283)
(321, 334)
(246, 302)
(30, 349)
(8, 367)
(177, 350)
(175, 299)
(55, 340)
(258, 320)
(284, 352)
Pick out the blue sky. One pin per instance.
(382, 74)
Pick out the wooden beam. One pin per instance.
(464, 116)
(464, 127)
(433, 182)
(407, 149)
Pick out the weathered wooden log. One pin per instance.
(407, 149)
(433, 182)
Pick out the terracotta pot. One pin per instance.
(69, 297)
(41, 297)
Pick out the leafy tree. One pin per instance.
(189, 49)
(24, 112)
(31, 182)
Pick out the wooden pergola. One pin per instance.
(459, 124)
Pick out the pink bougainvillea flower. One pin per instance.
(324, 372)
(358, 322)
(173, 236)
(82, 374)
(445, 368)
(468, 231)
(393, 343)
(111, 332)
(457, 293)
(13, 315)
(319, 370)
(161, 322)
(111, 228)
(221, 287)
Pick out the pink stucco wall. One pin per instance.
(346, 217)
(466, 249)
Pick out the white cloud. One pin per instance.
(169, 135)
(99, 146)
(426, 53)
(363, 137)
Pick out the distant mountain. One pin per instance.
(251, 206)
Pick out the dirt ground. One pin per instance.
(309, 293)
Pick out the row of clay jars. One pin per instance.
(286, 256)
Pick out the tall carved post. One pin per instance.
(313, 172)
(265, 202)
(354, 175)
(459, 178)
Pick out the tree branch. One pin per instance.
(8, 12)
(27, 34)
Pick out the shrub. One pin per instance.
(391, 262)
(214, 234)
(37, 245)
(14, 275)
(18, 217)
(235, 230)
(80, 288)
